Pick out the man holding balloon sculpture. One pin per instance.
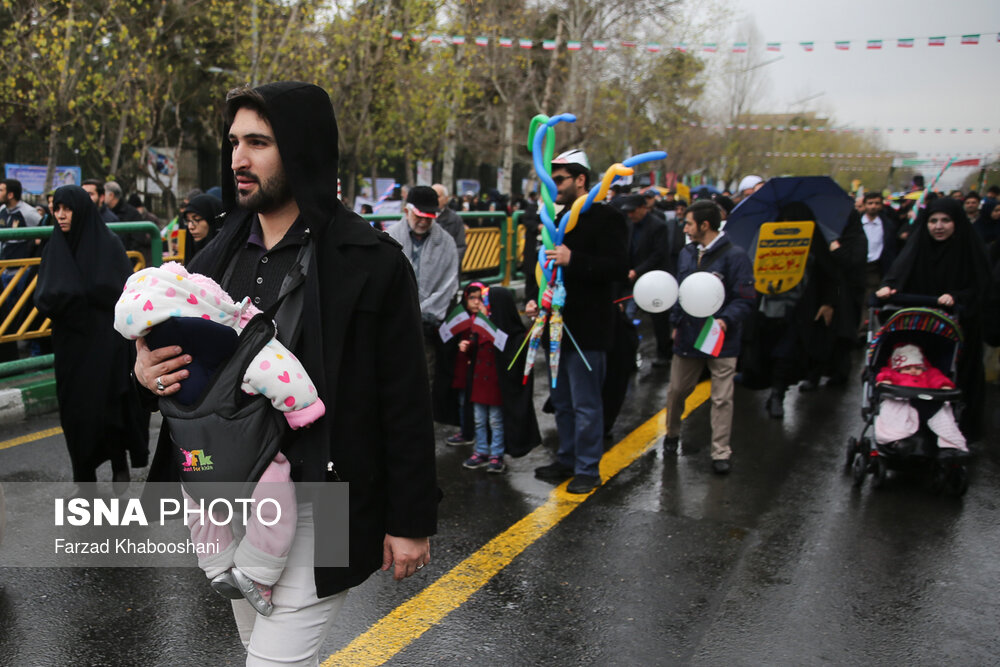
(697, 333)
(593, 257)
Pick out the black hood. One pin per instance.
(305, 128)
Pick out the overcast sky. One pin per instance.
(951, 86)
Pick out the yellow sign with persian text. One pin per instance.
(782, 252)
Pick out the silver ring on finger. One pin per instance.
(159, 385)
(421, 565)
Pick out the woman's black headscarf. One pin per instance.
(210, 209)
(955, 266)
(88, 262)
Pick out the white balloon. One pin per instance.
(702, 294)
(655, 291)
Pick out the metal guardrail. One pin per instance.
(499, 248)
(20, 279)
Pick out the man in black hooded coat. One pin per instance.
(353, 321)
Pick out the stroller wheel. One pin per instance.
(859, 468)
(852, 449)
(958, 481)
(879, 472)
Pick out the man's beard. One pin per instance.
(269, 195)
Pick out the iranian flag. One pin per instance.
(710, 47)
(549, 44)
(458, 39)
(573, 45)
(842, 46)
(489, 331)
(525, 43)
(629, 44)
(774, 46)
(874, 44)
(507, 42)
(935, 41)
(681, 46)
(482, 41)
(653, 47)
(396, 34)
(740, 47)
(905, 43)
(808, 46)
(711, 337)
(456, 322)
(970, 39)
(600, 45)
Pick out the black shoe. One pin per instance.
(670, 444)
(554, 472)
(776, 405)
(720, 466)
(583, 484)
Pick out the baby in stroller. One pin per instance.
(897, 417)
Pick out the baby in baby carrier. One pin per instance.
(898, 418)
(170, 306)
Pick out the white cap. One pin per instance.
(749, 183)
(906, 355)
(575, 156)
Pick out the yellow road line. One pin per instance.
(31, 437)
(420, 613)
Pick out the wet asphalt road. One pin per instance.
(782, 562)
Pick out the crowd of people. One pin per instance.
(382, 331)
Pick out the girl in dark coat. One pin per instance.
(944, 258)
(81, 276)
(520, 424)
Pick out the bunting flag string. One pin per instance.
(898, 161)
(970, 39)
(842, 130)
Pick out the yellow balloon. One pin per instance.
(617, 169)
(540, 276)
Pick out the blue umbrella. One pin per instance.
(705, 189)
(827, 200)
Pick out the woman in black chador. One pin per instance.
(945, 259)
(81, 276)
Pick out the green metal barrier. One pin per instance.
(24, 233)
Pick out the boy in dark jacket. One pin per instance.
(709, 250)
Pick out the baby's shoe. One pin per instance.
(226, 586)
(257, 594)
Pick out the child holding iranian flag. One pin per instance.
(475, 374)
(712, 341)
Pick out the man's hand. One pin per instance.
(409, 555)
(463, 346)
(826, 313)
(165, 363)
(531, 308)
(632, 275)
(834, 246)
(946, 300)
(885, 292)
(561, 254)
(722, 324)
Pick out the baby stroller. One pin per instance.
(910, 319)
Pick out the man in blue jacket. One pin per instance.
(709, 250)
